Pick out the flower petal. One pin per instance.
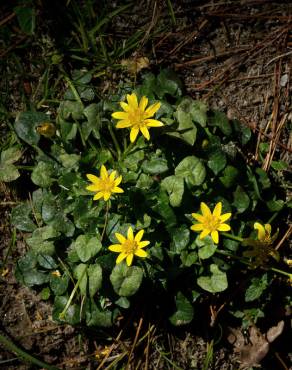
(143, 103)
(143, 244)
(217, 210)
(204, 233)
(116, 248)
(130, 234)
(103, 173)
(268, 229)
(121, 257)
(205, 210)
(92, 178)
(120, 115)
(124, 124)
(116, 189)
(150, 111)
(261, 230)
(223, 227)
(120, 238)
(112, 175)
(139, 235)
(98, 195)
(118, 180)
(133, 134)
(225, 217)
(124, 106)
(141, 253)
(153, 123)
(145, 132)
(93, 187)
(198, 217)
(197, 227)
(106, 195)
(129, 259)
(132, 100)
(215, 236)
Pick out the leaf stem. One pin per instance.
(233, 237)
(26, 356)
(105, 221)
(63, 313)
(116, 144)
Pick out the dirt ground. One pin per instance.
(236, 56)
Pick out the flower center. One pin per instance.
(130, 246)
(107, 185)
(211, 222)
(136, 117)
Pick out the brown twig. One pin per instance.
(286, 236)
(135, 342)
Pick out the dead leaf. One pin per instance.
(275, 331)
(135, 65)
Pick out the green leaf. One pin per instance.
(144, 181)
(70, 108)
(47, 261)
(72, 315)
(59, 284)
(217, 161)
(184, 311)
(45, 294)
(87, 247)
(180, 238)
(70, 160)
(215, 283)
(206, 247)
(8, 172)
(163, 208)
(220, 120)
(98, 317)
(68, 129)
(174, 187)
(132, 160)
(275, 205)
(242, 131)
(263, 178)
(26, 124)
(192, 170)
(155, 166)
(198, 112)
(93, 124)
(186, 129)
(42, 174)
(229, 176)
(94, 278)
(240, 199)
(279, 165)
(168, 83)
(26, 18)
(39, 240)
(20, 217)
(126, 280)
(80, 273)
(10, 155)
(188, 258)
(33, 277)
(256, 289)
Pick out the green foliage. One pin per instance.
(193, 158)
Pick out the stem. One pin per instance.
(105, 221)
(116, 144)
(63, 313)
(26, 356)
(73, 89)
(233, 237)
(249, 264)
(128, 149)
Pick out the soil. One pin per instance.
(236, 56)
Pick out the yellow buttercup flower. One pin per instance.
(211, 223)
(104, 185)
(264, 232)
(130, 246)
(137, 117)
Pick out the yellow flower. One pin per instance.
(264, 232)
(211, 222)
(137, 117)
(130, 246)
(104, 185)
